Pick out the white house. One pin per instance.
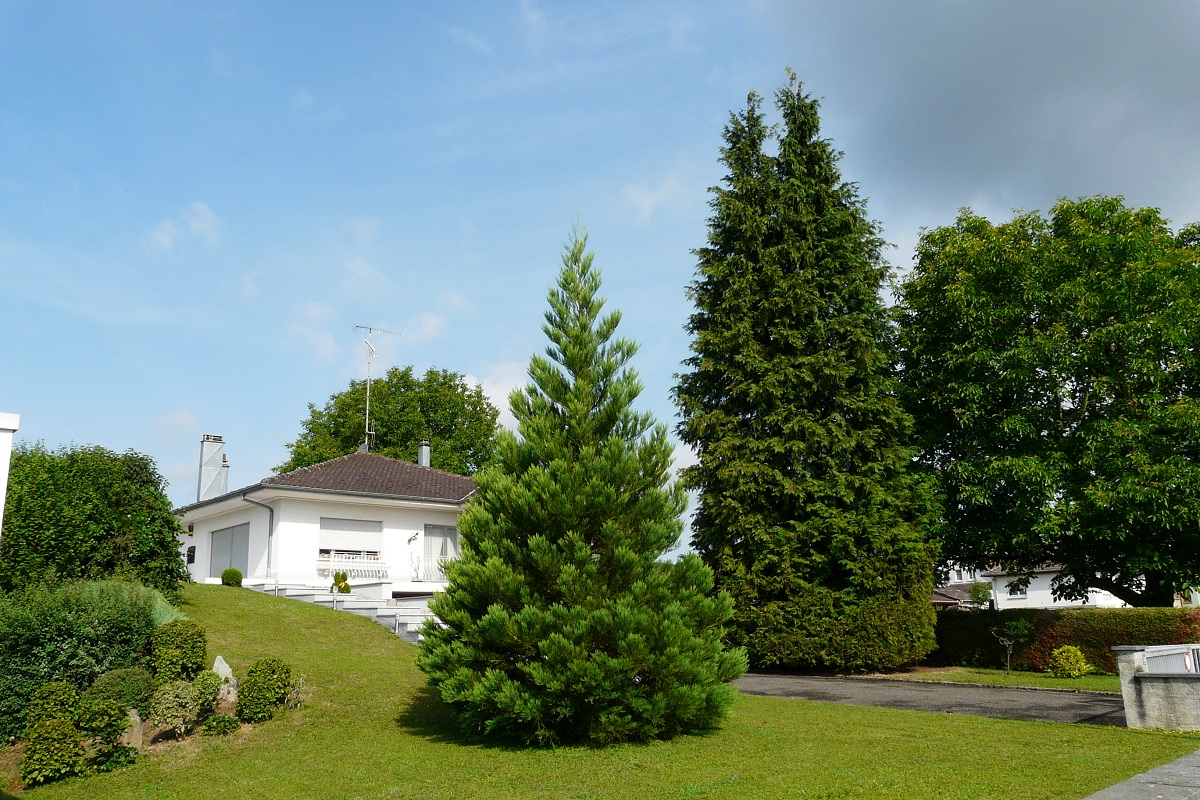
(9, 424)
(385, 522)
(1038, 593)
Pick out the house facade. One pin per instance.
(385, 522)
(1038, 594)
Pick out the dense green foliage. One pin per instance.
(965, 638)
(88, 513)
(265, 686)
(208, 688)
(175, 706)
(231, 577)
(220, 725)
(54, 700)
(456, 418)
(74, 633)
(561, 623)
(1053, 367)
(54, 751)
(1068, 661)
(341, 583)
(129, 688)
(178, 651)
(807, 512)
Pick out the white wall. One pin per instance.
(9, 424)
(1039, 595)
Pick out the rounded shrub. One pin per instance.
(265, 686)
(54, 751)
(130, 688)
(178, 650)
(175, 706)
(208, 686)
(55, 700)
(1068, 661)
(231, 577)
(220, 725)
(105, 721)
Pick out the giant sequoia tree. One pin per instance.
(1053, 367)
(561, 623)
(807, 513)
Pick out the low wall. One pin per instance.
(1169, 701)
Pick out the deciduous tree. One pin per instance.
(807, 513)
(561, 623)
(1053, 367)
(456, 418)
(88, 513)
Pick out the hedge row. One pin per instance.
(965, 638)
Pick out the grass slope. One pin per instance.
(370, 730)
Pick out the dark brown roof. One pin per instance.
(367, 473)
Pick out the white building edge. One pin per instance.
(388, 524)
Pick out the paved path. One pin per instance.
(1179, 780)
(953, 698)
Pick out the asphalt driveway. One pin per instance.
(952, 698)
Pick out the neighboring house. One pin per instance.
(385, 522)
(1038, 594)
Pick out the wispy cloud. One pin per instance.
(303, 102)
(425, 327)
(471, 40)
(198, 221)
(311, 328)
(498, 382)
(453, 300)
(175, 426)
(534, 22)
(361, 279)
(672, 191)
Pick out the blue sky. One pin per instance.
(199, 201)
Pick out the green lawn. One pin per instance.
(997, 677)
(371, 731)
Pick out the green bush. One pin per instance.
(55, 700)
(965, 639)
(54, 751)
(105, 721)
(265, 686)
(341, 583)
(178, 651)
(231, 577)
(175, 706)
(220, 725)
(130, 688)
(208, 687)
(74, 633)
(1068, 662)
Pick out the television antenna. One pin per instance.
(365, 447)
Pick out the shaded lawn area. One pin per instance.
(371, 730)
(997, 677)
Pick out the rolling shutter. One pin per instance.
(360, 535)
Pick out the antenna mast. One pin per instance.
(365, 447)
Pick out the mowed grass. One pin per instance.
(997, 677)
(371, 730)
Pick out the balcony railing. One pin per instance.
(429, 568)
(353, 566)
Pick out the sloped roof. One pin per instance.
(365, 474)
(368, 473)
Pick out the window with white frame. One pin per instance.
(1015, 590)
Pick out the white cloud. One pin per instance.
(361, 279)
(162, 236)
(198, 221)
(203, 223)
(311, 327)
(425, 327)
(670, 192)
(471, 40)
(453, 300)
(302, 100)
(498, 382)
(534, 21)
(175, 425)
(249, 287)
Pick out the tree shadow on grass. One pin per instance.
(425, 715)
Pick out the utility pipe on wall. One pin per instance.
(270, 527)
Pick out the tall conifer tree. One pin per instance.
(807, 512)
(560, 623)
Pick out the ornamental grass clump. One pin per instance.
(561, 623)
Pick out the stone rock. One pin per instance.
(223, 670)
(133, 735)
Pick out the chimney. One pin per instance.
(423, 453)
(213, 480)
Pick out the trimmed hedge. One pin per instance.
(265, 686)
(231, 577)
(55, 751)
(178, 651)
(73, 633)
(965, 637)
(130, 688)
